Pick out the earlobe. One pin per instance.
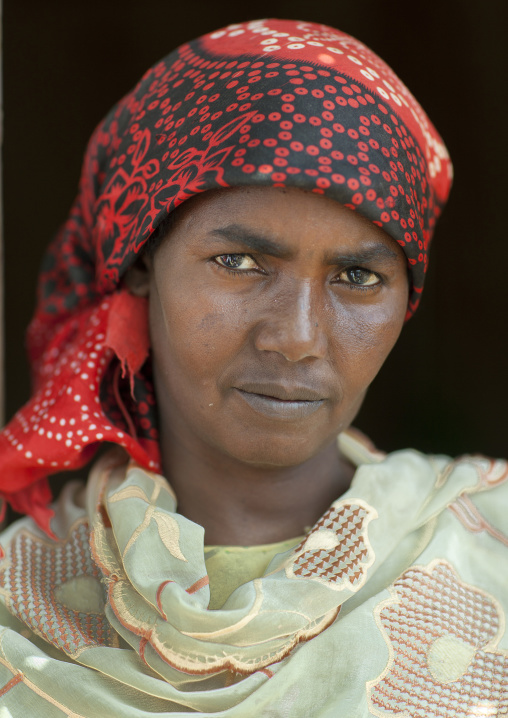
(137, 278)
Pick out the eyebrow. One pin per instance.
(377, 252)
(240, 235)
(237, 234)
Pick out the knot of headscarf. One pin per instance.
(272, 103)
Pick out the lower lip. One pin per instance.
(278, 409)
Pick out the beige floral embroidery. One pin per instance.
(469, 516)
(161, 619)
(442, 636)
(169, 531)
(492, 472)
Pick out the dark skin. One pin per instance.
(271, 312)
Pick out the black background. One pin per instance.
(445, 387)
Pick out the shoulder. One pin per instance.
(485, 507)
(474, 487)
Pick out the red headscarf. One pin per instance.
(271, 102)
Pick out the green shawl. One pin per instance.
(393, 604)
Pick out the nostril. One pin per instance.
(294, 338)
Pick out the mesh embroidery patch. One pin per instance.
(34, 570)
(442, 636)
(337, 550)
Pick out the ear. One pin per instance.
(137, 277)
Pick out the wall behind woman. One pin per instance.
(445, 387)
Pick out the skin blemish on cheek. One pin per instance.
(211, 320)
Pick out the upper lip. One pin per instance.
(283, 392)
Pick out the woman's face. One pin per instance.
(271, 311)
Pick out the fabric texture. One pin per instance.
(229, 567)
(405, 572)
(271, 103)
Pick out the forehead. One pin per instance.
(291, 215)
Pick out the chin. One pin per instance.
(278, 452)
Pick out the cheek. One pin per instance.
(362, 339)
(190, 337)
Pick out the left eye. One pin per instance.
(236, 261)
(360, 277)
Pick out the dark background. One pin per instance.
(445, 387)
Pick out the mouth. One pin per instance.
(281, 402)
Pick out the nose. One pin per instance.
(294, 325)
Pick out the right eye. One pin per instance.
(359, 277)
(236, 262)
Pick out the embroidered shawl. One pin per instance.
(394, 603)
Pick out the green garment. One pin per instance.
(393, 604)
(229, 567)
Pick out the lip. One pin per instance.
(279, 402)
(283, 392)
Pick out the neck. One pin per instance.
(243, 504)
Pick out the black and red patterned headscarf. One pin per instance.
(273, 103)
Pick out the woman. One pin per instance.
(251, 232)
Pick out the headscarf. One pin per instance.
(269, 103)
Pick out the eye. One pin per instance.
(359, 277)
(238, 262)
